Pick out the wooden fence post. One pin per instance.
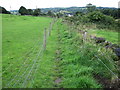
(44, 43)
(49, 33)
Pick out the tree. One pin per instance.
(78, 13)
(59, 15)
(3, 10)
(97, 16)
(30, 12)
(50, 13)
(37, 12)
(90, 7)
(111, 12)
(23, 11)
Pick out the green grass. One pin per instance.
(20, 34)
(111, 36)
(46, 73)
(77, 63)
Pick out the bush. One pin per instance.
(95, 16)
(98, 17)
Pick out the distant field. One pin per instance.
(111, 36)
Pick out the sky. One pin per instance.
(32, 4)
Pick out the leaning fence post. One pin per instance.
(44, 43)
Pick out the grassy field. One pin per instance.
(111, 36)
(22, 38)
(67, 61)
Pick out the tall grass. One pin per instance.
(79, 63)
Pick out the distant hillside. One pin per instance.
(69, 9)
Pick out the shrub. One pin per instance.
(95, 16)
(98, 17)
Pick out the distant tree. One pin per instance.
(78, 13)
(98, 17)
(50, 13)
(30, 12)
(37, 12)
(118, 15)
(111, 12)
(90, 7)
(3, 10)
(23, 11)
(59, 15)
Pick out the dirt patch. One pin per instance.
(107, 83)
(58, 80)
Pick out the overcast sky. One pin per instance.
(31, 4)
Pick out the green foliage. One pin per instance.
(3, 10)
(78, 13)
(90, 7)
(23, 10)
(95, 16)
(98, 17)
(30, 12)
(50, 13)
(79, 62)
(111, 12)
(102, 21)
(59, 15)
(36, 12)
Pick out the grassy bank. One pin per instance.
(83, 61)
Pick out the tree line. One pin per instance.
(101, 18)
(33, 12)
(114, 12)
(3, 10)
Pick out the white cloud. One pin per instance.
(15, 4)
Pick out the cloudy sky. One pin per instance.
(31, 4)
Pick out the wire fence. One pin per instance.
(23, 57)
(100, 54)
(29, 67)
(24, 63)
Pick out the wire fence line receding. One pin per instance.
(25, 73)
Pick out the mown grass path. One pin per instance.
(58, 78)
